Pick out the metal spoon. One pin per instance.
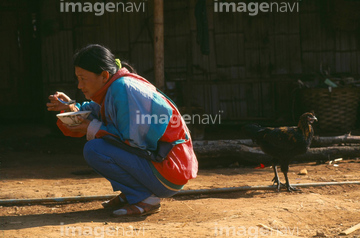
(66, 103)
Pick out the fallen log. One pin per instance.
(316, 142)
(217, 152)
(335, 140)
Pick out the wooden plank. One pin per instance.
(67, 48)
(353, 63)
(308, 6)
(243, 107)
(70, 53)
(237, 100)
(175, 5)
(210, 17)
(107, 35)
(293, 19)
(227, 49)
(67, 20)
(176, 50)
(225, 22)
(328, 60)
(343, 60)
(252, 63)
(294, 54)
(281, 58)
(310, 32)
(253, 35)
(62, 58)
(225, 100)
(358, 62)
(55, 76)
(252, 96)
(345, 41)
(305, 35)
(14, 4)
(311, 62)
(191, 15)
(231, 73)
(137, 29)
(283, 94)
(214, 98)
(175, 23)
(280, 23)
(267, 97)
(45, 60)
(211, 59)
(327, 40)
(353, 41)
(142, 56)
(206, 98)
(350, 230)
(264, 62)
(121, 39)
(204, 64)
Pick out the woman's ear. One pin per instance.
(105, 75)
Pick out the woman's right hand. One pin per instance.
(55, 105)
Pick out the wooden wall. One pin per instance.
(253, 61)
(126, 34)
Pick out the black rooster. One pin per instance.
(283, 143)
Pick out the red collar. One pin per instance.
(99, 96)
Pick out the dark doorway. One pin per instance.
(20, 62)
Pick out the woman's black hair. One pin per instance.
(97, 58)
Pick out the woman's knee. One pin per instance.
(90, 152)
(96, 152)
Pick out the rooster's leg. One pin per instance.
(276, 179)
(290, 188)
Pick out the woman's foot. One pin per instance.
(148, 206)
(116, 202)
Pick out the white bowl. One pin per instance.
(71, 118)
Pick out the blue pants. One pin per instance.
(126, 172)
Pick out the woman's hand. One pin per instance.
(80, 128)
(55, 105)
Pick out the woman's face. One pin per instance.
(89, 82)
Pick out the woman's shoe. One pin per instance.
(138, 209)
(116, 202)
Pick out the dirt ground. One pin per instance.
(52, 166)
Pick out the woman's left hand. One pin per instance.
(80, 128)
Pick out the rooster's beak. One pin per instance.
(313, 119)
